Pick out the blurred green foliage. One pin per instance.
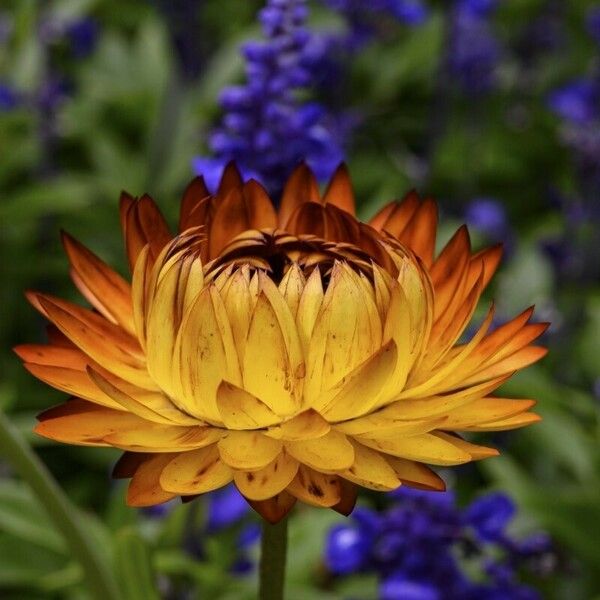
(134, 122)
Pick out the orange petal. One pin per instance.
(128, 463)
(145, 225)
(72, 381)
(339, 192)
(477, 452)
(274, 509)
(194, 193)
(415, 474)
(102, 287)
(144, 488)
(420, 233)
(301, 187)
(349, 494)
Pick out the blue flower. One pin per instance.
(346, 549)
(417, 543)
(82, 35)
(267, 126)
(226, 507)
(9, 98)
(593, 23)
(577, 101)
(474, 49)
(398, 587)
(478, 8)
(488, 216)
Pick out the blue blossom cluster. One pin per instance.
(575, 253)
(363, 18)
(73, 38)
(474, 49)
(423, 545)
(487, 216)
(268, 125)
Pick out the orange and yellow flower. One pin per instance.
(297, 352)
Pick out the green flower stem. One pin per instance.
(65, 516)
(273, 550)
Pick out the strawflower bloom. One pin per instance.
(298, 352)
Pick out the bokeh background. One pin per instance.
(491, 107)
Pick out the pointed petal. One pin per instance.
(241, 410)
(196, 472)
(348, 496)
(484, 410)
(268, 481)
(144, 488)
(153, 437)
(194, 193)
(514, 422)
(273, 378)
(477, 452)
(105, 289)
(416, 475)
(361, 389)
(300, 187)
(308, 424)
(339, 192)
(128, 464)
(371, 469)
(71, 381)
(274, 509)
(425, 447)
(152, 406)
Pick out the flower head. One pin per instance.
(298, 352)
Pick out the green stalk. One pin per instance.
(273, 552)
(65, 516)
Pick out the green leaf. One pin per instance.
(134, 568)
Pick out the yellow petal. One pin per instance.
(309, 424)
(418, 409)
(241, 410)
(144, 488)
(248, 450)
(152, 406)
(477, 452)
(371, 469)
(102, 341)
(139, 287)
(204, 356)
(162, 324)
(362, 388)
(415, 474)
(196, 472)
(309, 307)
(485, 410)
(425, 447)
(332, 452)
(164, 438)
(514, 422)
(239, 305)
(341, 338)
(291, 287)
(267, 371)
(268, 481)
(71, 381)
(317, 489)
